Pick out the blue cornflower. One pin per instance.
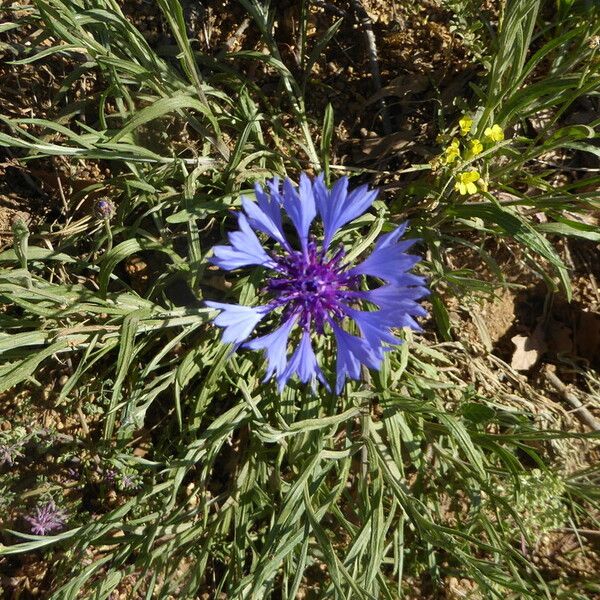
(313, 288)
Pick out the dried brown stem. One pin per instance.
(581, 412)
(367, 25)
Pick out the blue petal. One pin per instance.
(394, 297)
(375, 328)
(389, 260)
(407, 321)
(389, 239)
(337, 207)
(237, 320)
(398, 304)
(275, 346)
(327, 202)
(410, 280)
(352, 351)
(270, 203)
(300, 206)
(261, 221)
(266, 216)
(245, 249)
(303, 363)
(274, 192)
(388, 263)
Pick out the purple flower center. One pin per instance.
(311, 286)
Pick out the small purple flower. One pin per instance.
(73, 469)
(46, 518)
(128, 482)
(122, 481)
(104, 209)
(110, 476)
(73, 473)
(314, 288)
(9, 453)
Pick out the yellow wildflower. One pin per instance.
(452, 152)
(465, 182)
(475, 147)
(483, 184)
(494, 133)
(465, 123)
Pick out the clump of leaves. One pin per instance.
(537, 499)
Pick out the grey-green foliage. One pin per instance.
(538, 498)
(472, 26)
